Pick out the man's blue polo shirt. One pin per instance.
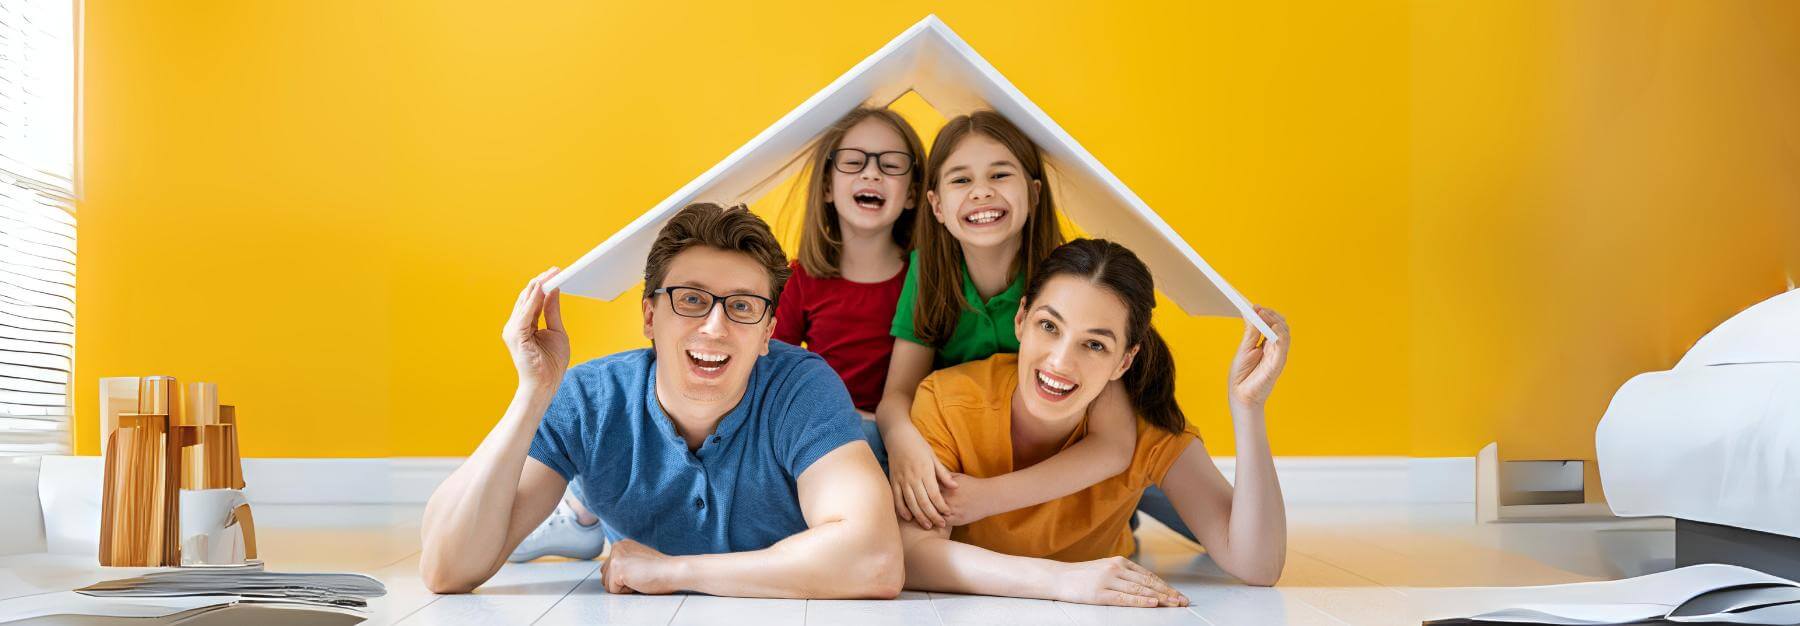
(735, 493)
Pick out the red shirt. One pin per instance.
(847, 323)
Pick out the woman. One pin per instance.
(1084, 322)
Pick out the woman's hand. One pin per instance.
(914, 472)
(1115, 581)
(540, 355)
(1258, 363)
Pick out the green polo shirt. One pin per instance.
(981, 331)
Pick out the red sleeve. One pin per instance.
(790, 310)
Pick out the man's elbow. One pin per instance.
(439, 572)
(875, 571)
(439, 581)
(882, 574)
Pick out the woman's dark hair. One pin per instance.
(1150, 383)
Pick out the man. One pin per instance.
(726, 464)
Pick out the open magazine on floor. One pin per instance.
(1697, 594)
(197, 596)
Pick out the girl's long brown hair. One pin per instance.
(1150, 382)
(940, 299)
(821, 241)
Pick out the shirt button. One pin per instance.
(699, 503)
(715, 438)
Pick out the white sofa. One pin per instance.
(1715, 441)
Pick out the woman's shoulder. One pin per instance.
(980, 381)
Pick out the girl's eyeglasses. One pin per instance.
(854, 161)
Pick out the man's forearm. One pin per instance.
(840, 559)
(466, 520)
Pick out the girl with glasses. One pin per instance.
(863, 187)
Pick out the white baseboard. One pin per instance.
(399, 480)
(1304, 480)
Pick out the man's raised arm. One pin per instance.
(490, 503)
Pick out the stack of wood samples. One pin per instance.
(173, 441)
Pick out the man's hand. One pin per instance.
(540, 355)
(1115, 581)
(636, 568)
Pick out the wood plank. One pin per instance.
(955, 608)
(589, 603)
(1090, 615)
(519, 593)
(703, 609)
(912, 607)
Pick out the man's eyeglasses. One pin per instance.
(742, 308)
(853, 161)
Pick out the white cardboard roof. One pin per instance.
(947, 74)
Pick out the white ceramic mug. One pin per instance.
(216, 527)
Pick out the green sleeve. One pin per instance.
(909, 295)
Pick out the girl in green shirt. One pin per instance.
(994, 223)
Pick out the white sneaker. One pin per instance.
(562, 535)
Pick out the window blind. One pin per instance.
(37, 224)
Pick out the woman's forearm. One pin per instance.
(1258, 527)
(464, 529)
(936, 563)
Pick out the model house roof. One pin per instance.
(933, 62)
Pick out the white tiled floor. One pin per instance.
(1363, 564)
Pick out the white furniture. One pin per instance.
(22, 518)
(1715, 441)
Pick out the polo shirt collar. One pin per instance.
(727, 424)
(1014, 292)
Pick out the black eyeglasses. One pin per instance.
(742, 308)
(853, 161)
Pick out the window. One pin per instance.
(37, 224)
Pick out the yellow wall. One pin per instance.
(327, 207)
(1595, 185)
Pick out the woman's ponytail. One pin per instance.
(1151, 383)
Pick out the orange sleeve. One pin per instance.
(929, 417)
(1157, 451)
